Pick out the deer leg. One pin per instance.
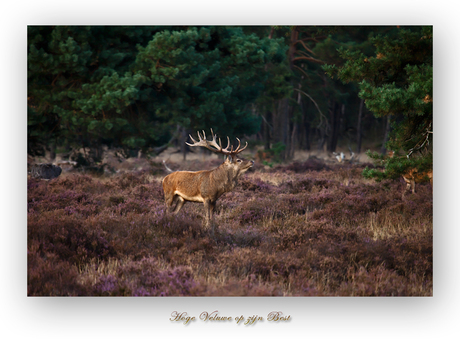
(406, 189)
(180, 203)
(212, 208)
(170, 200)
(208, 212)
(412, 184)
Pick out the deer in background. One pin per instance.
(208, 185)
(412, 176)
(341, 157)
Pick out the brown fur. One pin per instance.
(203, 186)
(412, 176)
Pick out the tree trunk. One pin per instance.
(334, 113)
(283, 108)
(293, 135)
(272, 30)
(182, 139)
(268, 115)
(266, 130)
(359, 133)
(53, 150)
(307, 145)
(295, 126)
(387, 133)
(276, 122)
(304, 127)
(289, 128)
(292, 46)
(322, 139)
(281, 126)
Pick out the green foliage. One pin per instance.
(395, 166)
(130, 86)
(313, 48)
(397, 81)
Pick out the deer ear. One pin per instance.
(230, 159)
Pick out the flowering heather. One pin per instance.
(303, 229)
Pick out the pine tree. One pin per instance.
(397, 81)
(131, 86)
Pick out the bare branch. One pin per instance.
(317, 107)
(422, 142)
(159, 149)
(308, 58)
(304, 46)
(300, 69)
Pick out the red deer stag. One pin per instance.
(206, 186)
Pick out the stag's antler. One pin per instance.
(209, 144)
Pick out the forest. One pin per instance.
(323, 211)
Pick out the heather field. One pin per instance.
(307, 228)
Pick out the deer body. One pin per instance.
(412, 176)
(205, 186)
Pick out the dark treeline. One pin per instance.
(144, 87)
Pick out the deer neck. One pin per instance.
(226, 176)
